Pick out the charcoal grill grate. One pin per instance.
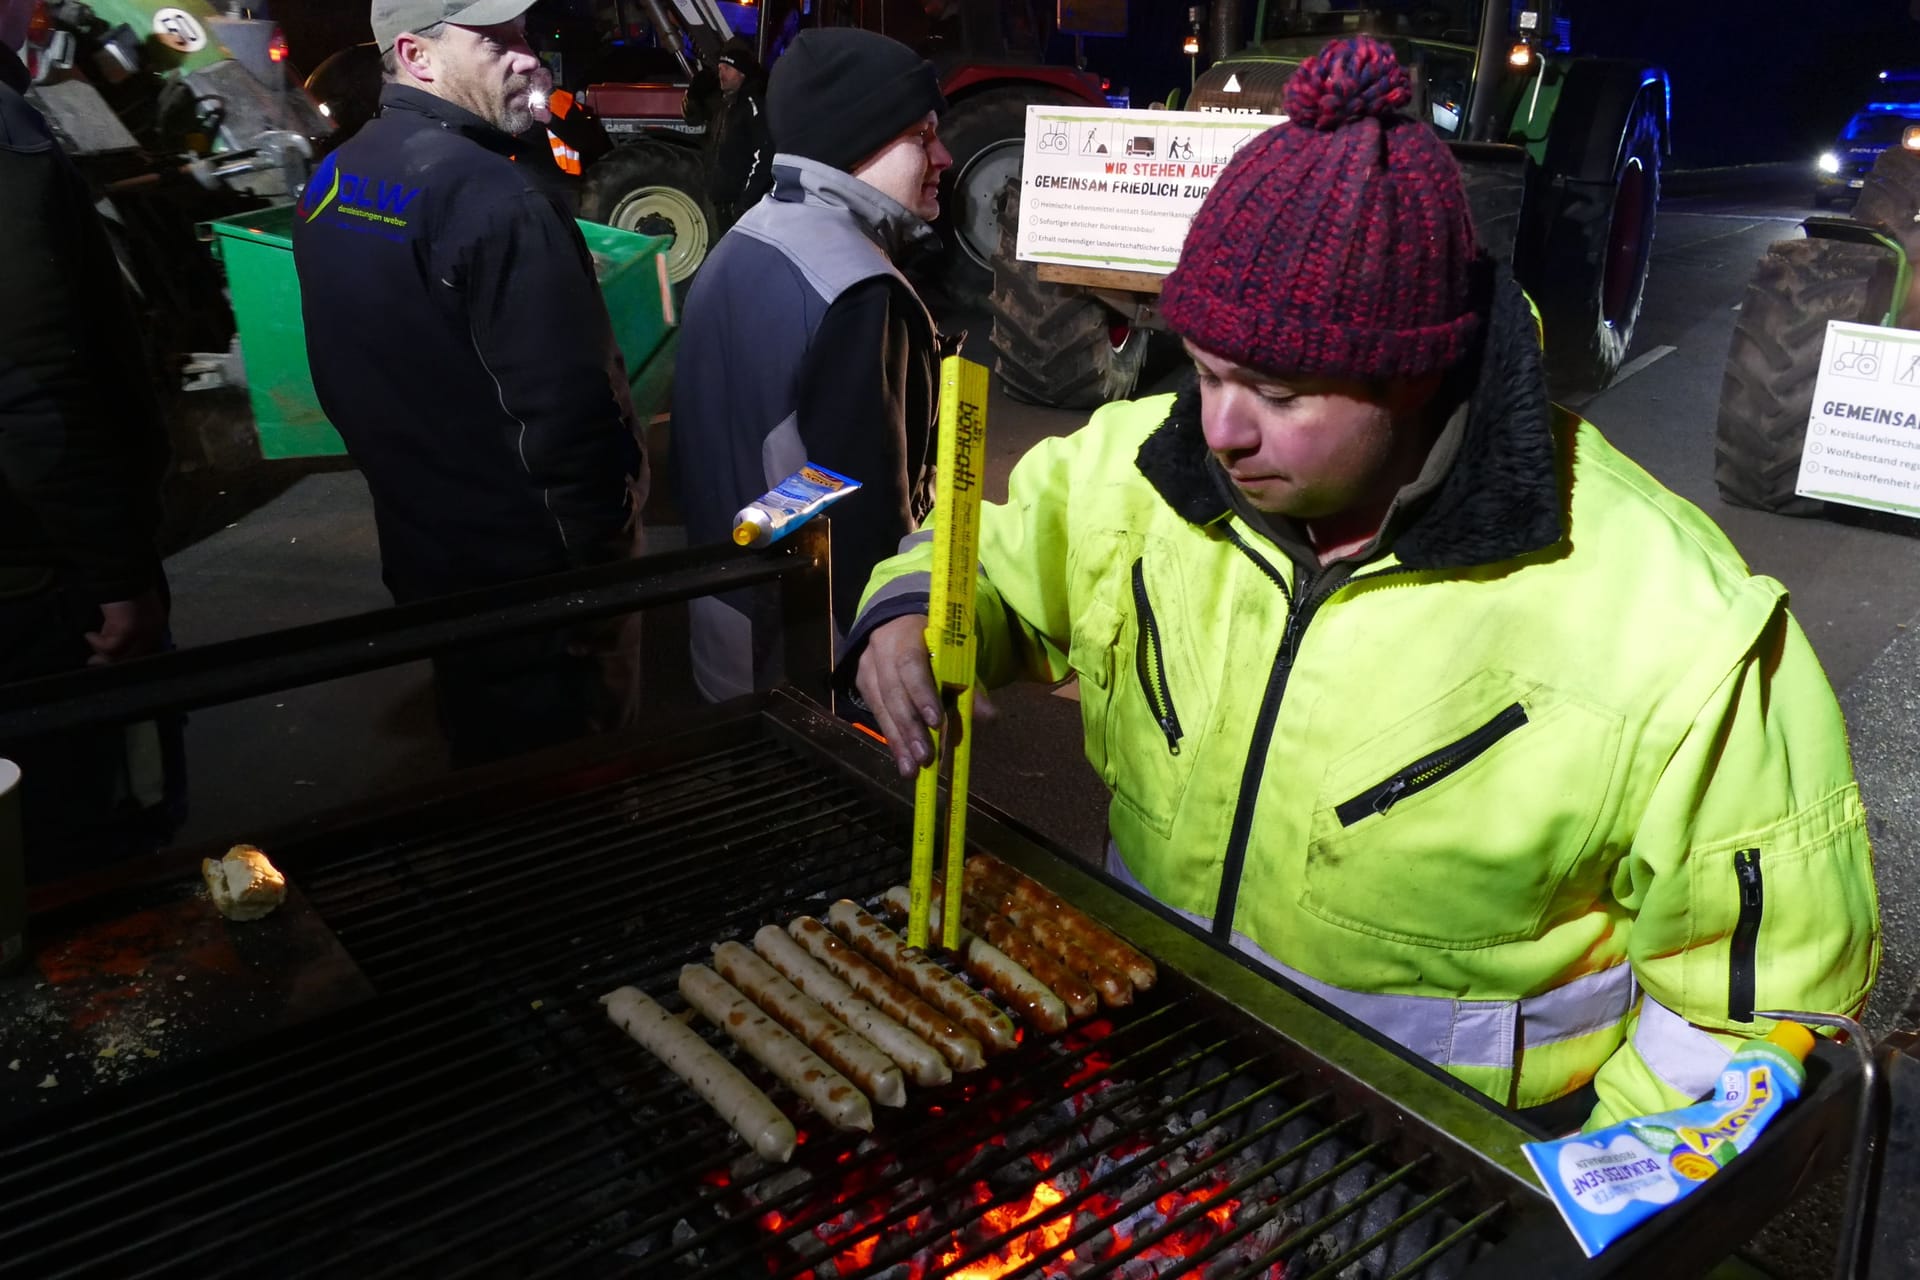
(481, 1117)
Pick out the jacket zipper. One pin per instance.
(1299, 613)
(1150, 661)
(1431, 769)
(1746, 934)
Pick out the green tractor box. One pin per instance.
(1561, 155)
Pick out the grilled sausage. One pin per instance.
(742, 1105)
(1086, 932)
(920, 1060)
(1074, 993)
(910, 965)
(871, 981)
(1114, 990)
(1013, 982)
(799, 1068)
(819, 1030)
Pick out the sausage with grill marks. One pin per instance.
(819, 1030)
(1092, 936)
(910, 965)
(1032, 999)
(799, 1068)
(920, 1061)
(1073, 990)
(738, 1101)
(1114, 990)
(871, 981)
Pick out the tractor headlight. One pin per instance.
(1911, 138)
(1829, 162)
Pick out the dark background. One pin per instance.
(1753, 80)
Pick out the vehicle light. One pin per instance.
(1520, 55)
(1911, 138)
(536, 101)
(1191, 46)
(39, 25)
(326, 111)
(1829, 162)
(277, 47)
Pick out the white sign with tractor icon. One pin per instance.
(1863, 436)
(179, 30)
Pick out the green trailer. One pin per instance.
(257, 251)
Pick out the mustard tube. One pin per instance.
(1607, 1182)
(790, 504)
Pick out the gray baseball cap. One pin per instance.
(391, 17)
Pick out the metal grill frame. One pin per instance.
(1407, 1107)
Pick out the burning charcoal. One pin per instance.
(1013, 1176)
(778, 1185)
(683, 1231)
(1101, 1131)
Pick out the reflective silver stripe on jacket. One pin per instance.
(1681, 1054)
(1457, 1033)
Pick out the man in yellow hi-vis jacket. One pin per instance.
(1405, 682)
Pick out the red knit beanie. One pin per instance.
(1338, 244)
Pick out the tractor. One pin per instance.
(1561, 155)
(991, 61)
(177, 114)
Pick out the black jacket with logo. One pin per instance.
(82, 444)
(460, 345)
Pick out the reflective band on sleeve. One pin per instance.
(907, 585)
(913, 540)
(1456, 1033)
(1681, 1054)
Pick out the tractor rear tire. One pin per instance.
(987, 135)
(1890, 202)
(1055, 345)
(1766, 396)
(1592, 275)
(656, 188)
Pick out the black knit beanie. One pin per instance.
(839, 94)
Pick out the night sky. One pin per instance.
(1753, 80)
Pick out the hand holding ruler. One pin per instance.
(962, 463)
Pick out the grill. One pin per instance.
(479, 1116)
(443, 1096)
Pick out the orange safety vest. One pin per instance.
(563, 155)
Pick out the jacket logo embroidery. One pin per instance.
(357, 197)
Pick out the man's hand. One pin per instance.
(896, 679)
(128, 629)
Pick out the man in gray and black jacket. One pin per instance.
(803, 342)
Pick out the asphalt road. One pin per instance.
(303, 550)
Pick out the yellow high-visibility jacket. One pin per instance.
(1554, 790)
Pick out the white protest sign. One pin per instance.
(1118, 189)
(1863, 437)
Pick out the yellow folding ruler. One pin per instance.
(962, 462)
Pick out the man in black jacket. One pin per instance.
(729, 98)
(460, 345)
(803, 342)
(82, 452)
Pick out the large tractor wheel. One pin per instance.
(658, 189)
(1592, 275)
(987, 135)
(1055, 345)
(1890, 202)
(1767, 394)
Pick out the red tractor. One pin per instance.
(990, 56)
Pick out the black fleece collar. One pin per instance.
(406, 98)
(1502, 499)
(13, 72)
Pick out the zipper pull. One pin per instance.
(1746, 868)
(1389, 795)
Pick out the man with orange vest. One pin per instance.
(574, 134)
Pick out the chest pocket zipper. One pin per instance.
(1150, 661)
(1431, 769)
(1746, 936)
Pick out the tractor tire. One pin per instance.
(656, 188)
(1495, 196)
(987, 135)
(1054, 345)
(1766, 396)
(1592, 275)
(1890, 202)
